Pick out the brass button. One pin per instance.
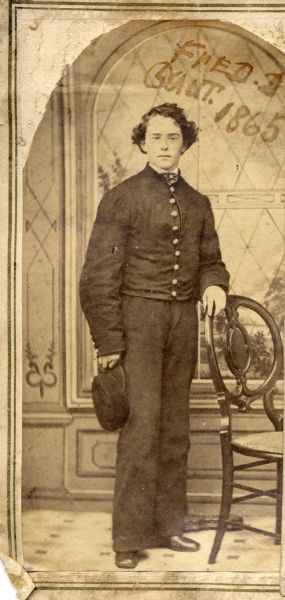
(174, 213)
(176, 267)
(177, 252)
(172, 188)
(175, 228)
(175, 241)
(172, 200)
(173, 293)
(174, 281)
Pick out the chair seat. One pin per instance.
(267, 444)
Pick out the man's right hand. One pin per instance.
(109, 361)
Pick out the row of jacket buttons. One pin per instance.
(174, 214)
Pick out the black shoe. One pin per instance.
(180, 543)
(127, 560)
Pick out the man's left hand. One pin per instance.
(214, 299)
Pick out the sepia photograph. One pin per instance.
(152, 311)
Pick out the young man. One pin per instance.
(152, 254)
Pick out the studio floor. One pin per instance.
(81, 541)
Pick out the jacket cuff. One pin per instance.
(109, 347)
(204, 286)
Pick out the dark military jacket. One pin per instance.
(148, 240)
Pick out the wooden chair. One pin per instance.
(236, 346)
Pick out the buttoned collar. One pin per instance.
(161, 171)
(152, 171)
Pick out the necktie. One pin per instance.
(170, 177)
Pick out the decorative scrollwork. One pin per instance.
(37, 377)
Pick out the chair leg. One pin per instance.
(226, 500)
(279, 468)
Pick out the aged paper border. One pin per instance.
(10, 409)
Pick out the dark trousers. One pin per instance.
(151, 471)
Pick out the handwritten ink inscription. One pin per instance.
(165, 74)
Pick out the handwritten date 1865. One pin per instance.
(250, 125)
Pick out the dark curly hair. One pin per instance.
(189, 129)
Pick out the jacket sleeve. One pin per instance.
(212, 270)
(102, 274)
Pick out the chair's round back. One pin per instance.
(240, 349)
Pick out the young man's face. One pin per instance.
(163, 142)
